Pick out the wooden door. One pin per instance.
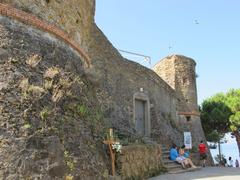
(140, 116)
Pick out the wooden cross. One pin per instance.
(112, 154)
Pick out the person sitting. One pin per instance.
(182, 151)
(175, 156)
(187, 161)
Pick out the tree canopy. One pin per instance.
(214, 116)
(233, 102)
(221, 114)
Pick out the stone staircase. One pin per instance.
(173, 167)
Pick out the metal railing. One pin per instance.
(145, 57)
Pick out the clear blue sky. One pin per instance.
(150, 26)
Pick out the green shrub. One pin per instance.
(45, 113)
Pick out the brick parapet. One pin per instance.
(29, 19)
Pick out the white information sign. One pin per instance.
(188, 140)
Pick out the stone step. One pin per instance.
(165, 156)
(173, 166)
(168, 161)
(165, 152)
(165, 148)
(177, 171)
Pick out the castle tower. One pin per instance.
(179, 72)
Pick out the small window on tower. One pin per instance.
(188, 118)
(184, 80)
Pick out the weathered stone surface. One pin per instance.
(140, 161)
(117, 78)
(45, 132)
(46, 92)
(74, 16)
(179, 72)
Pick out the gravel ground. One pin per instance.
(208, 173)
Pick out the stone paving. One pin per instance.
(208, 173)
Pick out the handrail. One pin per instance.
(146, 58)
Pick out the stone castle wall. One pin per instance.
(117, 81)
(179, 72)
(73, 16)
(117, 78)
(186, 82)
(165, 68)
(43, 134)
(140, 162)
(31, 20)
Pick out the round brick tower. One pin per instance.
(185, 77)
(179, 72)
